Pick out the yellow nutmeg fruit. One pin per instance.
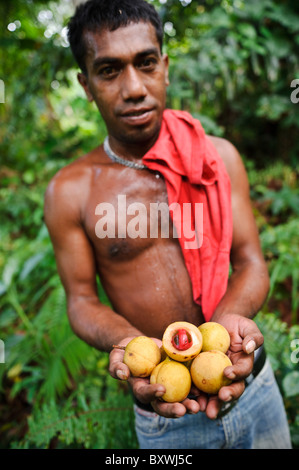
(214, 336)
(176, 379)
(207, 371)
(141, 356)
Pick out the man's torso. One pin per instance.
(140, 264)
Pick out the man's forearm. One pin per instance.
(246, 292)
(97, 324)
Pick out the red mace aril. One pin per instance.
(182, 340)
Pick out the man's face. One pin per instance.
(127, 78)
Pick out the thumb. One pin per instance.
(117, 368)
(253, 338)
(252, 342)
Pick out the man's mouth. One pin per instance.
(137, 116)
(136, 112)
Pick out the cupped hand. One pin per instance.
(245, 339)
(143, 390)
(152, 393)
(117, 368)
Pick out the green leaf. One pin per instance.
(3, 288)
(30, 264)
(273, 107)
(291, 384)
(247, 30)
(10, 270)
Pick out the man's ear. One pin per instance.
(82, 79)
(166, 66)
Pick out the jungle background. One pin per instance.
(234, 65)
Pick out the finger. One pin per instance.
(232, 392)
(191, 405)
(169, 410)
(226, 394)
(213, 407)
(253, 338)
(202, 400)
(144, 391)
(199, 396)
(241, 368)
(117, 368)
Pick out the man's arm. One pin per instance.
(92, 321)
(247, 287)
(246, 292)
(249, 282)
(95, 323)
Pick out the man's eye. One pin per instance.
(108, 72)
(148, 63)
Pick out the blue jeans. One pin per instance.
(257, 421)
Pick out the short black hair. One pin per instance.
(95, 15)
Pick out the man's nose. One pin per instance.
(133, 87)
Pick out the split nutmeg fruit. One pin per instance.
(189, 354)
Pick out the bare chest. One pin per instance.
(127, 214)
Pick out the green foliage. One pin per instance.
(275, 195)
(281, 247)
(232, 64)
(282, 346)
(73, 401)
(49, 344)
(85, 419)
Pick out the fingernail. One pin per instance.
(250, 346)
(230, 374)
(228, 398)
(121, 374)
(202, 406)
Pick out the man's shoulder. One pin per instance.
(69, 174)
(229, 155)
(227, 151)
(68, 188)
(74, 175)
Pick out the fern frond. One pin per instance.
(276, 338)
(57, 353)
(94, 425)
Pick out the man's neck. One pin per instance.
(132, 150)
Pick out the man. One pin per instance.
(150, 280)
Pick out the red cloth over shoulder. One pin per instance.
(199, 192)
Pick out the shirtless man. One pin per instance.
(125, 73)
